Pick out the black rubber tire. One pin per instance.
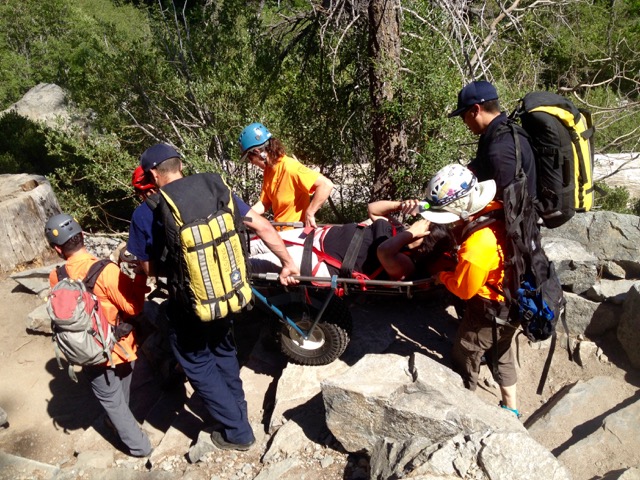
(328, 340)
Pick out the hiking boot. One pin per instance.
(219, 441)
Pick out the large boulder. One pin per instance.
(592, 319)
(629, 327)
(416, 420)
(26, 202)
(610, 237)
(619, 170)
(598, 419)
(577, 268)
(47, 103)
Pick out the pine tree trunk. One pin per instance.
(26, 202)
(389, 138)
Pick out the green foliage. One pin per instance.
(193, 74)
(23, 147)
(29, 40)
(94, 182)
(615, 199)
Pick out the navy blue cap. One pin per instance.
(472, 94)
(154, 156)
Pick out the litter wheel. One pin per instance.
(328, 340)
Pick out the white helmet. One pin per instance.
(454, 193)
(449, 184)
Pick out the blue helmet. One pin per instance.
(254, 135)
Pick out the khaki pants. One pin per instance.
(474, 340)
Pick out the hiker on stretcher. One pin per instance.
(379, 248)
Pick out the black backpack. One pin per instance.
(531, 287)
(532, 290)
(561, 136)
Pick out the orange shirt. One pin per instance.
(286, 189)
(116, 293)
(480, 263)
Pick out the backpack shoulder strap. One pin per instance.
(61, 272)
(153, 200)
(94, 272)
(240, 226)
(481, 222)
(512, 127)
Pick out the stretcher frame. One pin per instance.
(352, 285)
(318, 339)
(302, 336)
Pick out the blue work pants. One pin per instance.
(207, 354)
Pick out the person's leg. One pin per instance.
(507, 376)
(227, 361)
(509, 396)
(294, 235)
(264, 263)
(107, 386)
(467, 349)
(208, 379)
(124, 372)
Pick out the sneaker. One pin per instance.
(219, 441)
(512, 410)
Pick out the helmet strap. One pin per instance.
(462, 213)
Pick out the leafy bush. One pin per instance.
(615, 199)
(23, 147)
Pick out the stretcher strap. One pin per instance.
(352, 252)
(377, 272)
(322, 257)
(305, 263)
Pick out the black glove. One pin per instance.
(122, 330)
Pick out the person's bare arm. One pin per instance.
(259, 208)
(384, 208)
(322, 189)
(145, 266)
(272, 240)
(397, 264)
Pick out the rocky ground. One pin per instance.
(56, 424)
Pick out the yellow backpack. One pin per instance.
(562, 139)
(205, 246)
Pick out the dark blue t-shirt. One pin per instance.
(141, 230)
(140, 242)
(496, 157)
